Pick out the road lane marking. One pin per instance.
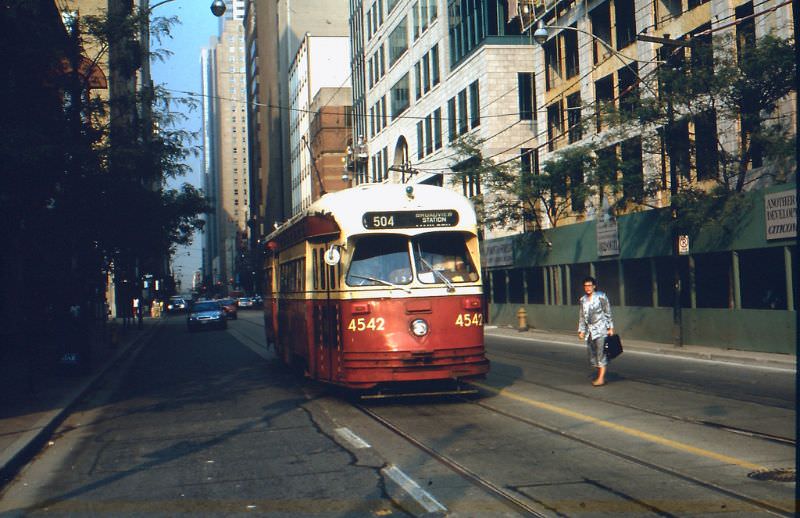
(623, 429)
(422, 497)
(354, 440)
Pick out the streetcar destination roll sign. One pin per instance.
(410, 219)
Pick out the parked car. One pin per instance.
(176, 304)
(206, 314)
(230, 308)
(245, 302)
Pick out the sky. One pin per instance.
(181, 72)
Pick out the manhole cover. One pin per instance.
(774, 475)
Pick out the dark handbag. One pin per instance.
(612, 346)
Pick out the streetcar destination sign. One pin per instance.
(410, 219)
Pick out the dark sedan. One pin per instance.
(206, 314)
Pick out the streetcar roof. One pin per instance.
(424, 209)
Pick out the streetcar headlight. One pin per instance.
(419, 327)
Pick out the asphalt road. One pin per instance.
(211, 424)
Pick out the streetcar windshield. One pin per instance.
(443, 258)
(379, 260)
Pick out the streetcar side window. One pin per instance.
(443, 253)
(378, 260)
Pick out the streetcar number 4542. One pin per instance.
(469, 319)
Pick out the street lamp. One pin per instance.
(218, 8)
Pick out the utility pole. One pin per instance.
(677, 317)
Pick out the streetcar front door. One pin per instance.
(326, 329)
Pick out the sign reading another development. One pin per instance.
(780, 214)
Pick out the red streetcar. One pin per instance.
(378, 286)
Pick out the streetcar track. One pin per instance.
(528, 509)
(663, 469)
(700, 422)
(454, 465)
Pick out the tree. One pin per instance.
(716, 119)
(515, 198)
(712, 112)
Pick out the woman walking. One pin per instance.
(594, 324)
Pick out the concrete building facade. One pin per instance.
(433, 73)
(330, 136)
(274, 33)
(226, 138)
(321, 62)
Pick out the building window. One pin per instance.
(428, 134)
(451, 120)
(417, 80)
(527, 96)
(420, 141)
(462, 112)
(632, 170)
(426, 74)
(398, 42)
(555, 125)
(400, 96)
(604, 95)
(474, 104)
(528, 161)
(552, 64)
(574, 129)
(625, 11)
(570, 40)
(437, 128)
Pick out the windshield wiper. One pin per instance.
(439, 274)
(381, 281)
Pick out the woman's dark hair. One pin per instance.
(590, 279)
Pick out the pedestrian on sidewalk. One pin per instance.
(594, 324)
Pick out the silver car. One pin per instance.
(206, 314)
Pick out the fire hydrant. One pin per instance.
(522, 319)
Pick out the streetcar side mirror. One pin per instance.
(332, 256)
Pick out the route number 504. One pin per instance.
(469, 320)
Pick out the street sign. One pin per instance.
(683, 244)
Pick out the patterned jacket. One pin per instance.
(595, 315)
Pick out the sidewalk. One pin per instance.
(34, 406)
(29, 420)
(687, 351)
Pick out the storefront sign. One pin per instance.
(780, 214)
(607, 237)
(497, 252)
